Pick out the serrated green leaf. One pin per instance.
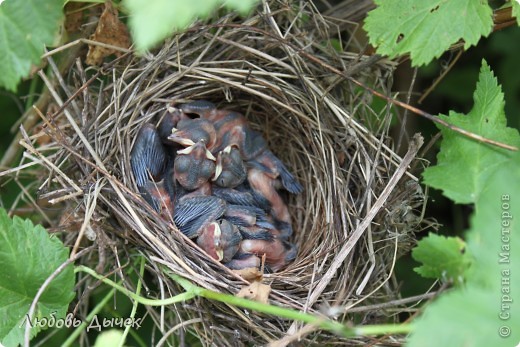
(441, 257)
(464, 165)
(495, 228)
(426, 29)
(465, 317)
(484, 311)
(516, 10)
(152, 22)
(25, 28)
(28, 256)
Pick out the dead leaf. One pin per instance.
(250, 273)
(110, 30)
(73, 16)
(256, 291)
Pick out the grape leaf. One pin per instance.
(25, 28)
(465, 317)
(486, 311)
(442, 257)
(464, 165)
(496, 228)
(28, 256)
(426, 29)
(516, 10)
(151, 22)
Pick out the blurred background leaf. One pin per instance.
(153, 21)
(25, 28)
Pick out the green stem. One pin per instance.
(85, 323)
(143, 301)
(133, 333)
(134, 307)
(321, 322)
(193, 291)
(383, 329)
(287, 313)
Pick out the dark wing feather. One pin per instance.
(148, 156)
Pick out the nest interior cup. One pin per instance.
(275, 68)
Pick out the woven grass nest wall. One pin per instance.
(311, 117)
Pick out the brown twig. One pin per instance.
(44, 286)
(503, 18)
(30, 119)
(441, 77)
(411, 108)
(414, 109)
(30, 116)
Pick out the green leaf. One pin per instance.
(109, 338)
(465, 317)
(480, 313)
(152, 22)
(241, 6)
(464, 165)
(442, 257)
(28, 256)
(426, 29)
(495, 231)
(516, 10)
(25, 28)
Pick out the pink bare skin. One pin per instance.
(162, 199)
(266, 186)
(247, 261)
(275, 251)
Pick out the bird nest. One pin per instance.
(282, 70)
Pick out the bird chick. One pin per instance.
(230, 170)
(190, 131)
(278, 253)
(220, 239)
(194, 166)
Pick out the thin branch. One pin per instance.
(32, 308)
(441, 77)
(371, 90)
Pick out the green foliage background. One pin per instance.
(455, 92)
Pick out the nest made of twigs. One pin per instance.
(280, 70)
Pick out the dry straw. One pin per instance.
(359, 209)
